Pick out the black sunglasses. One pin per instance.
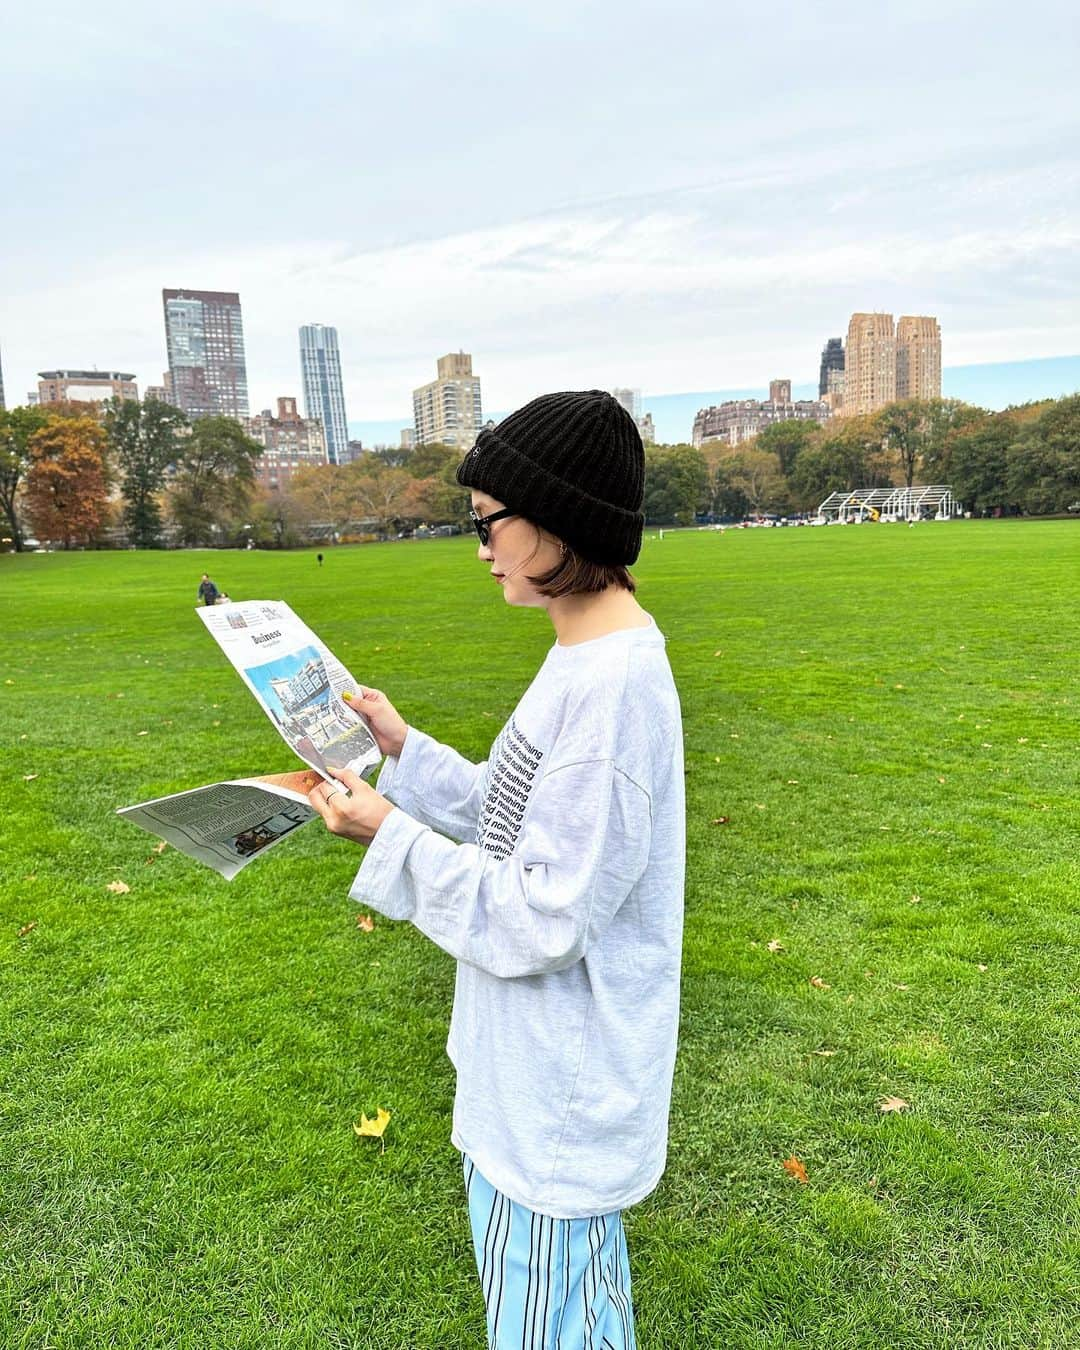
(481, 523)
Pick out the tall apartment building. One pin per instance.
(84, 386)
(779, 391)
(204, 335)
(630, 399)
(324, 394)
(448, 409)
(832, 359)
(870, 364)
(918, 357)
(740, 420)
(289, 442)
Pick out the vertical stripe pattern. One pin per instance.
(549, 1284)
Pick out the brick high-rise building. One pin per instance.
(918, 357)
(289, 442)
(84, 386)
(324, 395)
(447, 410)
(204, 334)
(870, 364)
(779, 391)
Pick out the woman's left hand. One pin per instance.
(350, 807)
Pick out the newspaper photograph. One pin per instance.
(298, 682)
(226, 825)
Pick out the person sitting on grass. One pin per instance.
(553, 873)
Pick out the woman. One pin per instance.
(553, 872)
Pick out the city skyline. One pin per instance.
(629, 229)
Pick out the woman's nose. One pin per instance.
(485, 554)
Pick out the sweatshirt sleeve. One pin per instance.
(583, 847)
(435, 784)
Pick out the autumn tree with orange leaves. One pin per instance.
(66, 485)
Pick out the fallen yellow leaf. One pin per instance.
(373, 1128)
(819, 983)
(29, 777)
(160, 848)
(28, 928)
(796, 1169)
(888, 1104)
(366, 922)
(775, 945)
(118, 887)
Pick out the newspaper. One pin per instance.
(225, 825)
(299, 684)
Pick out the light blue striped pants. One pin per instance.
(549, 1284)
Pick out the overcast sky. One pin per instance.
(675, 197)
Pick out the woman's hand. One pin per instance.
(386, 723)
(349, 807)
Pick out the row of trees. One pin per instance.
(1021, 461)
(76, 470)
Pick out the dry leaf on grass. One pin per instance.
(29, 777)
(28, 928)
(776, 945)
(720, 820)
(819, 983)
(373, 1129)
(160, 848)
(118, 887)
(825, 1054)
(794, 1168)
(890, 1104)
(366, 922)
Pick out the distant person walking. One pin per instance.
(208, 592)
(318, 558)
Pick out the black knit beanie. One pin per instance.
(573, 463)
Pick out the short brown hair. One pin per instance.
(575, 575)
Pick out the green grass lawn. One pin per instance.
(888, 718)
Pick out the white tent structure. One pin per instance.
(918, 502)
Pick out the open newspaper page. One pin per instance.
(225, 825)
(297, 680)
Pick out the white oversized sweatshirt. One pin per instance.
(553, 872)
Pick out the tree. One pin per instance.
(1044, 461)
(755, 475)
(378, 492)
(143, 441)
(66, 486)
(848, 454)
(215, 478)
(431, 461)
(17, 426)
(786, 440)
(676, 484)
(324, 494)
(915, 430)
(979, 465)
